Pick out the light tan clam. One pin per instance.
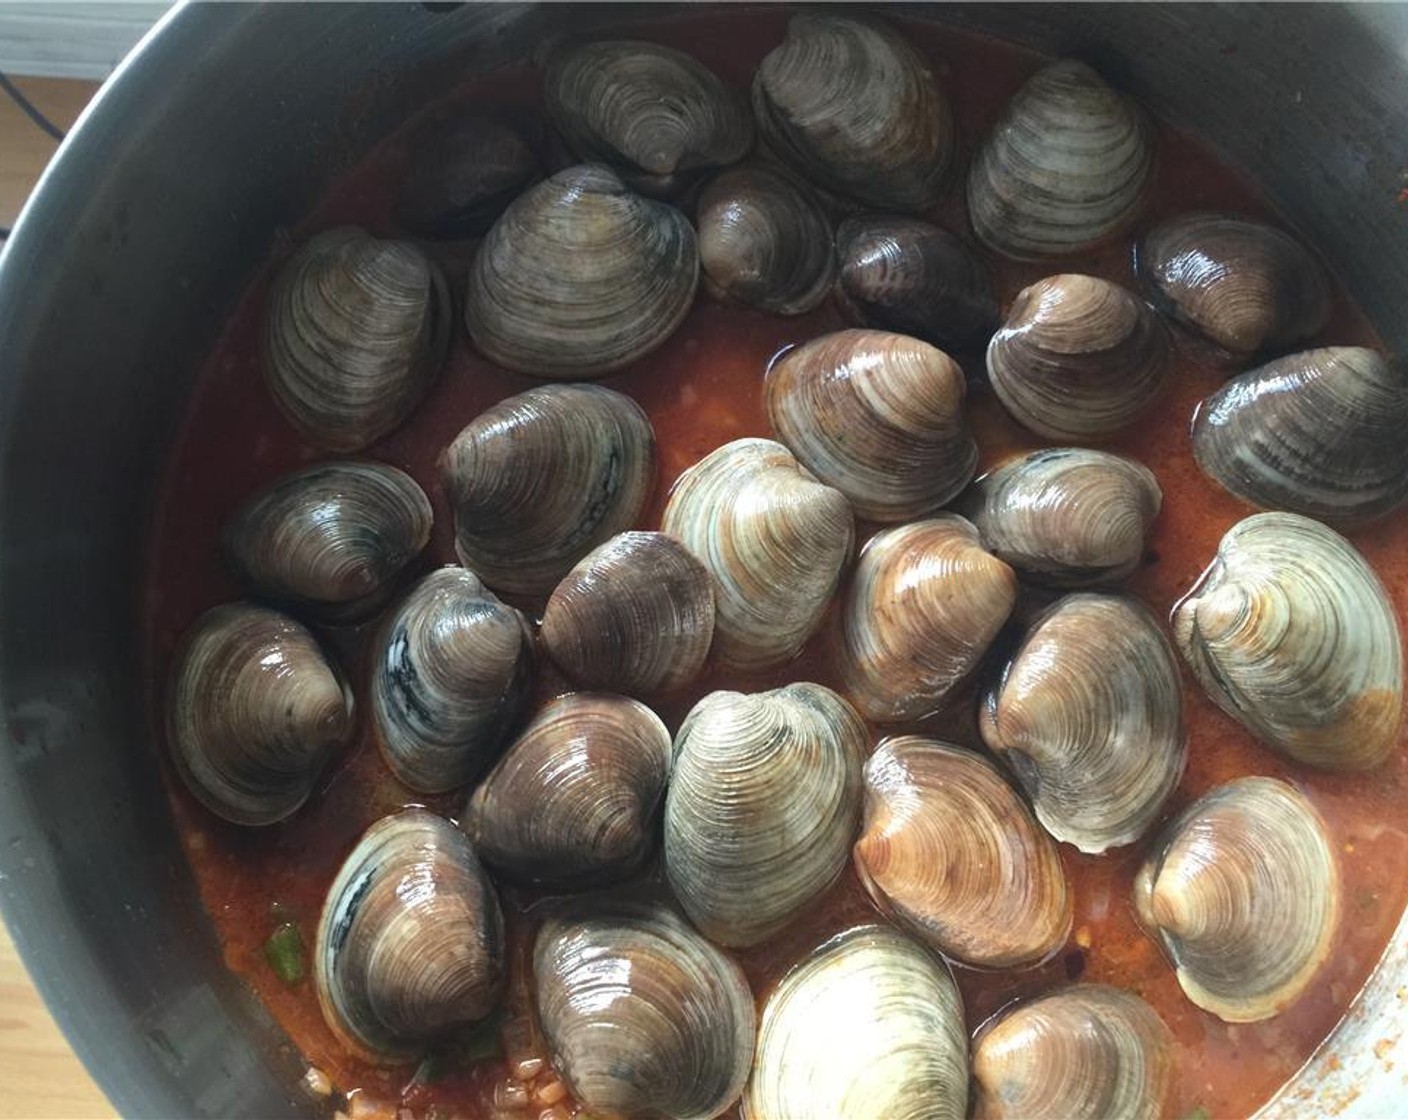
(575, 799)
(851, 107)
(1242, 890)
(1088, 1050)
(1292, 634)
(763, 803)
(542, 478)
(579, 277)
(451, 672)
(867, 1025)
(775, 541)
(1078, 358)
(879, 416)
(411, 940)
(355, 333)
(926, 602)
(949, 850)
(642, 1015)
(1065, 167)
(1088, 716)
(254, 710)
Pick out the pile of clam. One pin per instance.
(666, 849)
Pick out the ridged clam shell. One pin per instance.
(542, 478)
(868, 1025)
(642, 1015)
(1318, 433)
(774, 539)
(1242, 890)
(1065, 166)
(1088, 715)
(355, 333)
(1089, 1050)
(1078, 358)
(1066, 516)
(580, 277)
(254, 710)
(763, 804)
(574, 801)
(926, 602)
(451, 670)
(1292, 634)
(850, 105)
(879, 416)
(635, 615)
(411, 940)
(950, 851)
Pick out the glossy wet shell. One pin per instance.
(867, 1025)
(254, 711)
(950, 851)
(1292, 634)
(879, 416)
(1243, 892)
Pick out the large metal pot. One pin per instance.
(225, 125)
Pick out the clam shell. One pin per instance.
(451, 671)
(542, 478)
(1088, 715)
(355, 333)
(573, 802)
(580, 277)
(1292, 634)
(879, 416)
(411, 940)
(775, 541)
(868, 1025)
(254, 711)
(950, 851)
(1242, 890)
(926, 602)
(1065, 167)
(763, 804)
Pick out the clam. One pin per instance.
(411, 940)
(641, 1014)
(451, 671)
(1242, 890)
(574, 800)
(903, 274)
(1242, 285)
(355, 333)
(1090, 1050)
(763, 804)
(579, 277)
(655, 114)
(1065, 167)
(542, 478)
(775, 541)
(926, 602)
(331, 537)
(1088, 715)
(1078, 358)
(763, 242)
(635, 615)
(950, 851)
(868, 1025)
(1292, 634)
(254, 710)
(879, 416)
(851, 106)
(1318, 433)
(1066, 516)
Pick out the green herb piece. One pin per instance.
(1199, 1113)
(481, 1041)
(284, 952)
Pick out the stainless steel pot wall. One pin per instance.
(225, 126)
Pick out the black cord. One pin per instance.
(29, 109)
